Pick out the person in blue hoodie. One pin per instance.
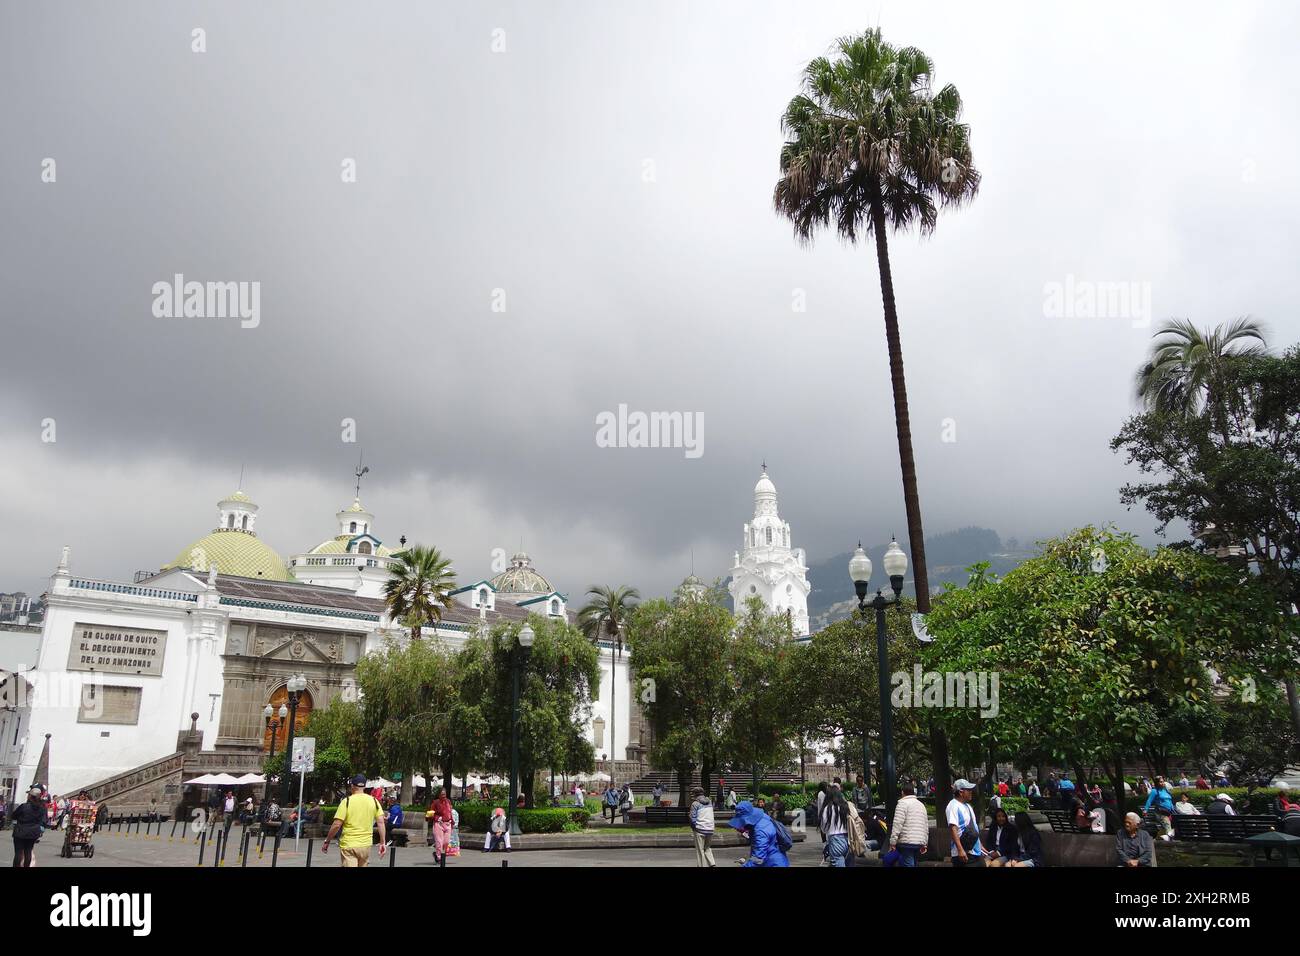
(764, 850)
(1163, 801)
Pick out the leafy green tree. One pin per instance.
(1257, 742)
(1232, 473)
(420, 587)
(681, 649)
(1184, 374)
(760, 719)
(556, 678)
(410, 705)
(1098, 661)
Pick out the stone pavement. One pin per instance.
(118, 849)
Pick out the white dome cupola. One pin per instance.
(236, 512)
(355, 519)
(768, 566)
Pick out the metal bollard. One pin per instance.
(173, 833)
(309, 844)
(392, 857)
(505, 864)
(218, 850)
(203, 846)
(275, 850)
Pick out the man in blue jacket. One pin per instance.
(764, 850)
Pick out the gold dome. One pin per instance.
(234, 552)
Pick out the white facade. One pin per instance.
(767, 566)
(184, 622)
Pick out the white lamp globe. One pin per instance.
(895, 560)
(860, 566)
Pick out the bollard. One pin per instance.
(137, 826)
(120, 817)
(309, 843)
(218, 850)
(173, 833)
(505, 864)
(275, 850)
(442, 860)
(392, 856)
(203, 846)
(243, 849)
(261, 843)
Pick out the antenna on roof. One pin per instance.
(361, 471)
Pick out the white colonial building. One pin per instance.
(139, 685)
(767, 566)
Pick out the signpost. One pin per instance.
(302, 763)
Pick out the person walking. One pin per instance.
(29, 822)
(861, 796)
(963, 827)
(764, 838)
(910, 835)
(1163, 802)
(657, 794)
(834, 823)
(441, 822)
(357, 816)
(701, 816)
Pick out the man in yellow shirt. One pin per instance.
(356, 817)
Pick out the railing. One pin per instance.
(300, 609)
(132, 589)
(136, 777)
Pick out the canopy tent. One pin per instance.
(207, 780)
(250, 778)
(380, 782)
(226, 780)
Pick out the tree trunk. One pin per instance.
(446, 773)
(911, 500)
(706, 771)
(684, 784)
(408, 787)
(939, 757)
(1294, 700)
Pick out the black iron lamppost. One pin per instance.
(273, 725)
(860, 571)
(297, 684)
(517, 653)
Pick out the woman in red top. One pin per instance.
(440, 810)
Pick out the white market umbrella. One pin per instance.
(380, 782)
(207, 780)
(250, 778)
(225, 780)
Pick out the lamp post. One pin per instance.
(273, 725)
(296, 685)
(525, 641)
(860, 571)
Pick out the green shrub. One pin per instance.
(476, 814)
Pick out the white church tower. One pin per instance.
(767, 566)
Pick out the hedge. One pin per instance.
(475, 814)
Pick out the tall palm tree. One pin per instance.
(420, 587)
(870, 144)
(605, 613)
(1186, 364)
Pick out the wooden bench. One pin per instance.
(668, 816)
(1062, 821)
(1220, 827)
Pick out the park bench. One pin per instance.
(1221, 828)
(1062, 821)
(668, 816)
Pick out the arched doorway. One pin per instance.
(281, 696)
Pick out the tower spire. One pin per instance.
(361, 472)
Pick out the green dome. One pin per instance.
(521, 578)
(234, 552)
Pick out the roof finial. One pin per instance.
(241, 476)
(361, 472)
(765, 465)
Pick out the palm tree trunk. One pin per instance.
(911, 501)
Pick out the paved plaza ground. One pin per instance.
(119, 850)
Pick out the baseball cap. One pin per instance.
(963, 784)
(359, 780)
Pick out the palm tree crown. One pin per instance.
(607, 611)
(1180, 375)
(869, 130)
(420, 587)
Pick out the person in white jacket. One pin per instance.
(910, 835)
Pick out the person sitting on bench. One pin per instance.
(498, 831)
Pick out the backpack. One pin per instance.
(784, 840)
(857, 832)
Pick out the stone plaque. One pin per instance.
(117, 650)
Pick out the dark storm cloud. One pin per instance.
(610, 170)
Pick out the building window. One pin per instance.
(230, 521)
(769, 535)
(483, 597)
(244, 525)
(109, 705)
(555, 608)
(353, 529)
(362, 548)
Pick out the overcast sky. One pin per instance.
(611, 171)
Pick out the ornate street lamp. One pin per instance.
(860, 571)
(296, 685)
(517, 653)
(273, 725)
